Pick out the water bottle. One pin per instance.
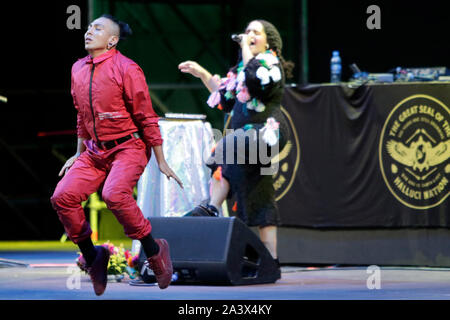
(336, 67)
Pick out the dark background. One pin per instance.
(38, 51)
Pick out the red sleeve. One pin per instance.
(139, 104)
(81, 128)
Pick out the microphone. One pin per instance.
(236, 37)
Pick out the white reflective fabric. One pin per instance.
(187, 144)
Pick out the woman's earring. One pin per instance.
(267, 46)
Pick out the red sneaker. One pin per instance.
(161, 264)
(99, 270)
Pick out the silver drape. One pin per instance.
(187, 144)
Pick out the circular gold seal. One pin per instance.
(288, 161)
(414, 152)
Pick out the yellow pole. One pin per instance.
(95, 204)
(94, 224)
(225, 209)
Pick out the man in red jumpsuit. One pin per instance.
(116, 128)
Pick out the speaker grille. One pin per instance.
(196, 239)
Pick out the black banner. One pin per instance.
(374, 156)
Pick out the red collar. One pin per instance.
(101, 57)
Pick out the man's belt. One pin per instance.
(112, 143)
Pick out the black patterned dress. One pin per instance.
(253, 96)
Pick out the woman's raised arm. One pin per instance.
(211, 82)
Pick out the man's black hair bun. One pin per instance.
(125, 30)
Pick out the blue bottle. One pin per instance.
(336, 67)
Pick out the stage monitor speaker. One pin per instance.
(209, 250)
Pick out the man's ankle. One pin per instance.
(88, 251)
(149, 245)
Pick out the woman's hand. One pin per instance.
(247, 54)
(165, 169)
(193, 68)
(68, 164)
(245, 40)
(211, 82)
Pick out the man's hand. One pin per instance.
(164, 168)
(68, 164)
(80, 149)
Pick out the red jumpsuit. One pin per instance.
(112, 99)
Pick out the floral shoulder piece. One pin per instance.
(235, 87)
(268, 69)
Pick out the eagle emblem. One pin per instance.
(420, 154)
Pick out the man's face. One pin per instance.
(99, 34)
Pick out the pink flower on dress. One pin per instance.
(272, 124)
(243, 95)
(270, 131)
(231, 82)
(214, 99)
(231, 85)
(240, 85)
